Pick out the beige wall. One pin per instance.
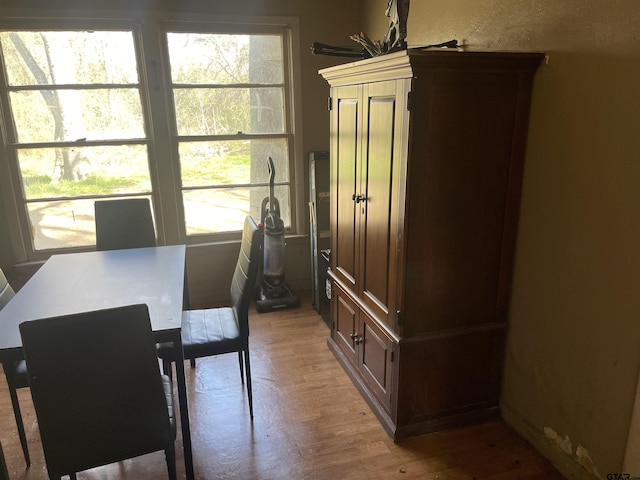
(573, 348)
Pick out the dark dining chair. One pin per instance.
(15, 373)
(127, 223)
(124, 223)
(216, 331)
(95, 407)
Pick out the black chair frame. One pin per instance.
(218, 331)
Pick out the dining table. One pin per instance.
(87, 281)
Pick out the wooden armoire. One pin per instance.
(427, 152)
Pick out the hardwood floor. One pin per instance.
(310, 423)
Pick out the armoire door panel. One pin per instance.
(378, 199)
(378, 173)
(345, 318)
(344, 178)
(376, 360)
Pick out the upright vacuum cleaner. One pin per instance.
(273, 293)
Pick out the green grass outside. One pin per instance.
(233, 169)
(230, 169)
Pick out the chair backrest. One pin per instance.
(244, 276)
(6, 292)
(96, 387)
(124, 223)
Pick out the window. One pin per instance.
(84, 118)
(230, 99)
(77, 130)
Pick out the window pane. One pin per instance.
(282, 196)
(69, 115)
(68, 172)
(223, 210)
(60, 224)
(227, 85)
(58, 58)
(227, 111)
(222, 59)
(237, 162)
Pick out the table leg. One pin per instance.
(184, 413)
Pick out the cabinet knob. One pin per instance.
(359, 340)
(354, 335)
(358, 198)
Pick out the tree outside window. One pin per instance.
(81, 127)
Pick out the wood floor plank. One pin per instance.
(310, 423)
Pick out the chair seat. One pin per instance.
(209, 332)
(206, 332)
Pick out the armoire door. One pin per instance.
(381, 188)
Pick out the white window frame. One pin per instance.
(161, 136)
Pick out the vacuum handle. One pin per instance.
(272, 175)
(272, 169)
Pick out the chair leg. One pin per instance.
(4, 474)
(192, 361)
(247, 365)
(170, 456)
(241, 366)
(16, 412)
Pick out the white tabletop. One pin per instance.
(80, 282)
